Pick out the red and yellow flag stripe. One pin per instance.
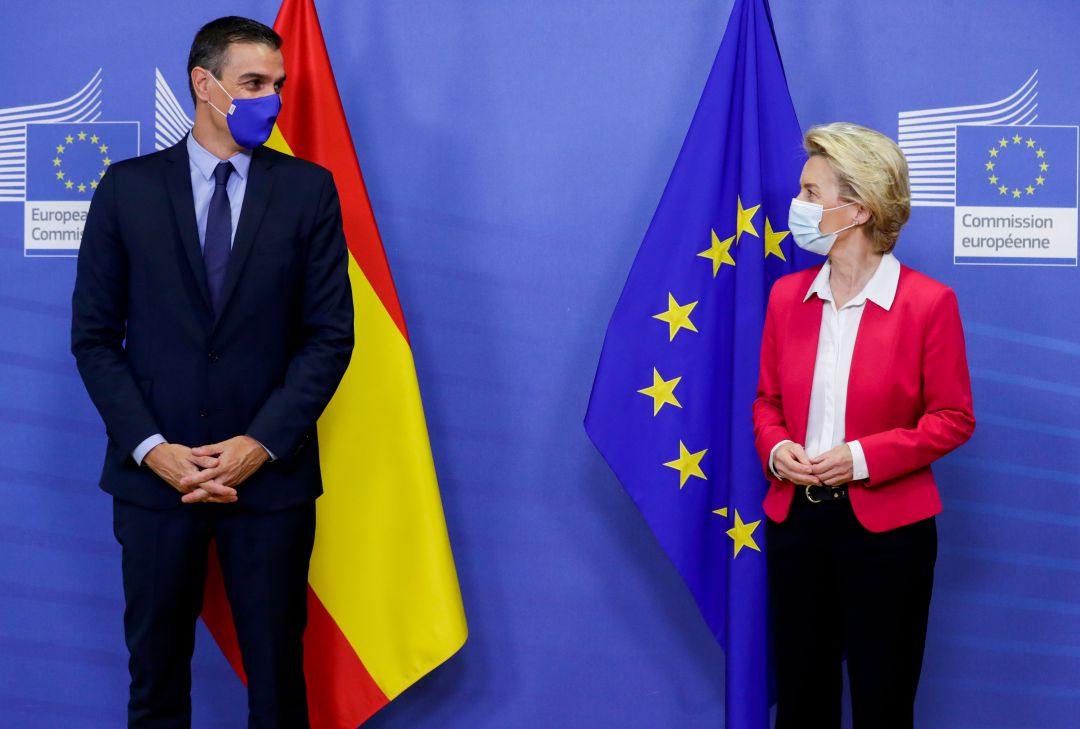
(384, 603)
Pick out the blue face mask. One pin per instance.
(250, 120)
(804, 222)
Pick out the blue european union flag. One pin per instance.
(671, 404)
(66, 161)
(1016, 166)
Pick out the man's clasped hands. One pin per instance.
(209, 473)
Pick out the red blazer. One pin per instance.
(909, 393)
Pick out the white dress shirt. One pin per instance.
(202, 164)
(832, 367)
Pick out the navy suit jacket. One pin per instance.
(154, 357)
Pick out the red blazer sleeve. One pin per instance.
(769, 425)
(947, 420)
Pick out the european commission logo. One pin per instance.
(64, 165)
(1016, 195)
(54, 155)
(1012, 183)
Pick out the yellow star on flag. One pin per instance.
(677, 317)
(661, 391)
(993, 152)
(1016, 192)
(745, 222)
(59, 149)
(93, 184)
(688, 464)
(56, 162)
(719, 253)
(1030, 190)
(1003, 189)
(772, 241)
(1003, 142)
(1017, 139)
(82, 187)
(104, 148)
(722, 511)
(1043, 167)
(106, 161)
(1031, 143)
(993, 179)
(94, 139)
(743, 534)
(69, 139)
(1040, 153)
(60, 174)
(989, 165)
(82, 136)
(69, 184)
(1040, 179)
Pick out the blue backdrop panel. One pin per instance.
(515, 153)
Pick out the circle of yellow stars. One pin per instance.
(991, 166)
(69, 142)
(677, 317)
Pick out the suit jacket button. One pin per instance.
(203, 413)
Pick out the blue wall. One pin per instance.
(514, 153)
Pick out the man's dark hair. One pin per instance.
(213, 40)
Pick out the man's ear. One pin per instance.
(200, 81)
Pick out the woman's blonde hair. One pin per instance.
(872, 171)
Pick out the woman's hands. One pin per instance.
(831, 468)
(835, 466)
(791, 462)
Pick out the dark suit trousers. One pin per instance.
(264, 561)
(837, 588)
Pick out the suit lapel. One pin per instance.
(801, 356)
(183, 205)
(256, 198)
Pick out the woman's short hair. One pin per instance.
(872, 171)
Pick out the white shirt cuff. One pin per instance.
(773, 453)
(859, 471)
(269, 452)
(146, 446)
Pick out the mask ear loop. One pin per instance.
(232, 106)
(825, 210)
(846, 227)
(869, 217)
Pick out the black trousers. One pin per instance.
(264, 561)
(838, 588)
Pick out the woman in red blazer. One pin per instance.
(864, 383)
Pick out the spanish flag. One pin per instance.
(384, 606)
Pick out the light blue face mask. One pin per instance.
(804, 222)
(250, 120)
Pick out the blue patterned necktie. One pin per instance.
(218, 242)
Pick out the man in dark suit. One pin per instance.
(212, 322)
